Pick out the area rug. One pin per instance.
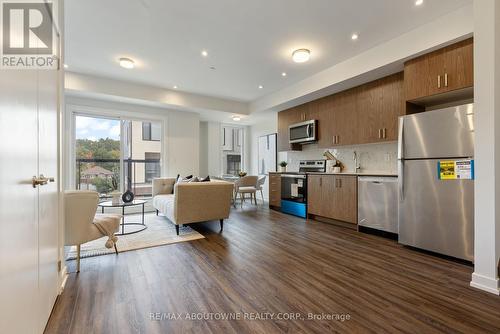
(159, 232)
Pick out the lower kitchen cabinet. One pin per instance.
(274, 190)
(333, 197)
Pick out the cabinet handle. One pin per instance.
(379, 133)
(320, 181)
(334, 139)
(338, 139)
(340, 183)
(384, 133)
(439, 81)
(446, 79)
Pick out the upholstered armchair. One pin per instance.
(81, 221)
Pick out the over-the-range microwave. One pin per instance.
(303, 133)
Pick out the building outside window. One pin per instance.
(151, 131)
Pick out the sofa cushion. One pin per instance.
(164, 204)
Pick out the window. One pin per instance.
(152, 168)
(151, 131)
(112, 154)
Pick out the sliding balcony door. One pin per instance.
(117, 154)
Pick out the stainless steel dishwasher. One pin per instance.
(378, 203)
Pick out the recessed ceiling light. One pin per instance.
(354, 37)
(127, 63)
(301, 55)
(236, 118)
(260, 86)
(204, 53)
(65, 65)
(419, 2)
(175, 87)
(283, 74)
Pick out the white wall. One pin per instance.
(487, 149)
(267, 124)
(203, 149)
(181, 134)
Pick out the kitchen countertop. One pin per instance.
(379, 173)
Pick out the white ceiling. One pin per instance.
(249, 42)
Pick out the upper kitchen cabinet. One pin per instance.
(446, 70)
(285, 119)
(342, 121)
(378, 106)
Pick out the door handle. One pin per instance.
(41, 180)
(401, 180)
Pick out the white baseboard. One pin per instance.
(485, 283)
(64, 276)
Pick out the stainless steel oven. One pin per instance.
(304, 132)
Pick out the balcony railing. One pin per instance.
(103, 175)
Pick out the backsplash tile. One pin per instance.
(372, 157)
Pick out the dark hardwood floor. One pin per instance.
(267, 262)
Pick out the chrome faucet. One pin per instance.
(357, 165)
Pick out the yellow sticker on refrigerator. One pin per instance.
(456, 169)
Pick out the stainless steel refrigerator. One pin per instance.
(436, 194)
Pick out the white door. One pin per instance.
(28, 216)
(18, 202)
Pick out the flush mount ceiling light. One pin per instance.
(127, 63)
(419, 2)
(354, 36)
(236, 118)
(204, 53)
(66, 66)
(283, 74)
(260, 86)
(175, 87)
(301, 55)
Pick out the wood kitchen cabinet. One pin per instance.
(333, 197)
(285, 119)
(274, 190)
(364, 114)
(445, 70)
(378, 106)
(342, 119)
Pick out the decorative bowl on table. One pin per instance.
(242, 174)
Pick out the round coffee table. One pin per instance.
(109, 204)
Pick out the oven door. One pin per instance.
(294, 188)
(302, 132)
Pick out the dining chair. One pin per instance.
(260, 186)
(245, 185)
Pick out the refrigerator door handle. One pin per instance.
(401, 179)
(400, 139)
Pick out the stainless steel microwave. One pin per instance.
(304, 132)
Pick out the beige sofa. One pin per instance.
(186, 203)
